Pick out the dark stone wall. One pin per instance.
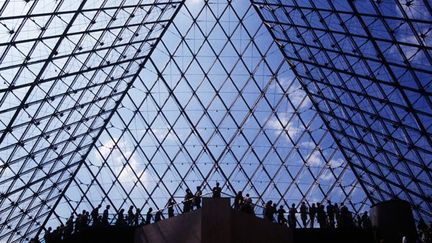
(216, 222)
(250, 229)
(181, 228)
(392, 220)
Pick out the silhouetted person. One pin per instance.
(331, 214)
(273, 211)
(57, 234)
(365, 221)
(268, 211)
(86, 219)
(131, 216)
(69, 227)
(346, 220)
(105, 216)
(337, 213)
(292, 216)
(120, 218)
(312, 214)
(197, 197)
(321, 216)
(247, 205)
(281, 215)
(48, 235)
(170, 206)
(158, 216)
(358, 222)
(238, 200)
(217, 191)
(149, 216)
(77, 223)
(303, 214)
(188, 200)
(137, 216)
(95, 214)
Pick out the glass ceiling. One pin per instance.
(64, 67)
(367, 68)
(130, 102)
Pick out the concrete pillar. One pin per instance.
(216, 220)
(392, 220)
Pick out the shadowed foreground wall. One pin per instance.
(215, 222)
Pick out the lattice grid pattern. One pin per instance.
(216, 102)
(64, 67)
(367, 66)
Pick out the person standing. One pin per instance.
(188, 201)
(273, 211)
(303, 214)
(170, 206)
(292, 216)
(158, 216)
(281, 215)
(197, 198)
(312, 215)
(365, 221)
(95, 214)
(217, 191)
(149, 216)
(337, 213)
(268, 209)
(247, 205)
(238, 200)
(120, 218)
(331, 215)
(137, 216)
(321, 216)
(131, 216)
(105, 216)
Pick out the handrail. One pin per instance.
(177, 206)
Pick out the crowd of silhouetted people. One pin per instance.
(425, 232)
(329, 216)
(326, 216)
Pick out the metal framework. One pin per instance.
(64, 67)
(216, 102)
(129, 102)
(367, 67)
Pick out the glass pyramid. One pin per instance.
(367, 68)
(131, 102)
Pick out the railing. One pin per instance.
(178, 208)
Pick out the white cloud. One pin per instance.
(307, 145)
(290, 128)
(326, 176)
(334, 163)
(315, 159)
(117, 159)
(296, 95)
